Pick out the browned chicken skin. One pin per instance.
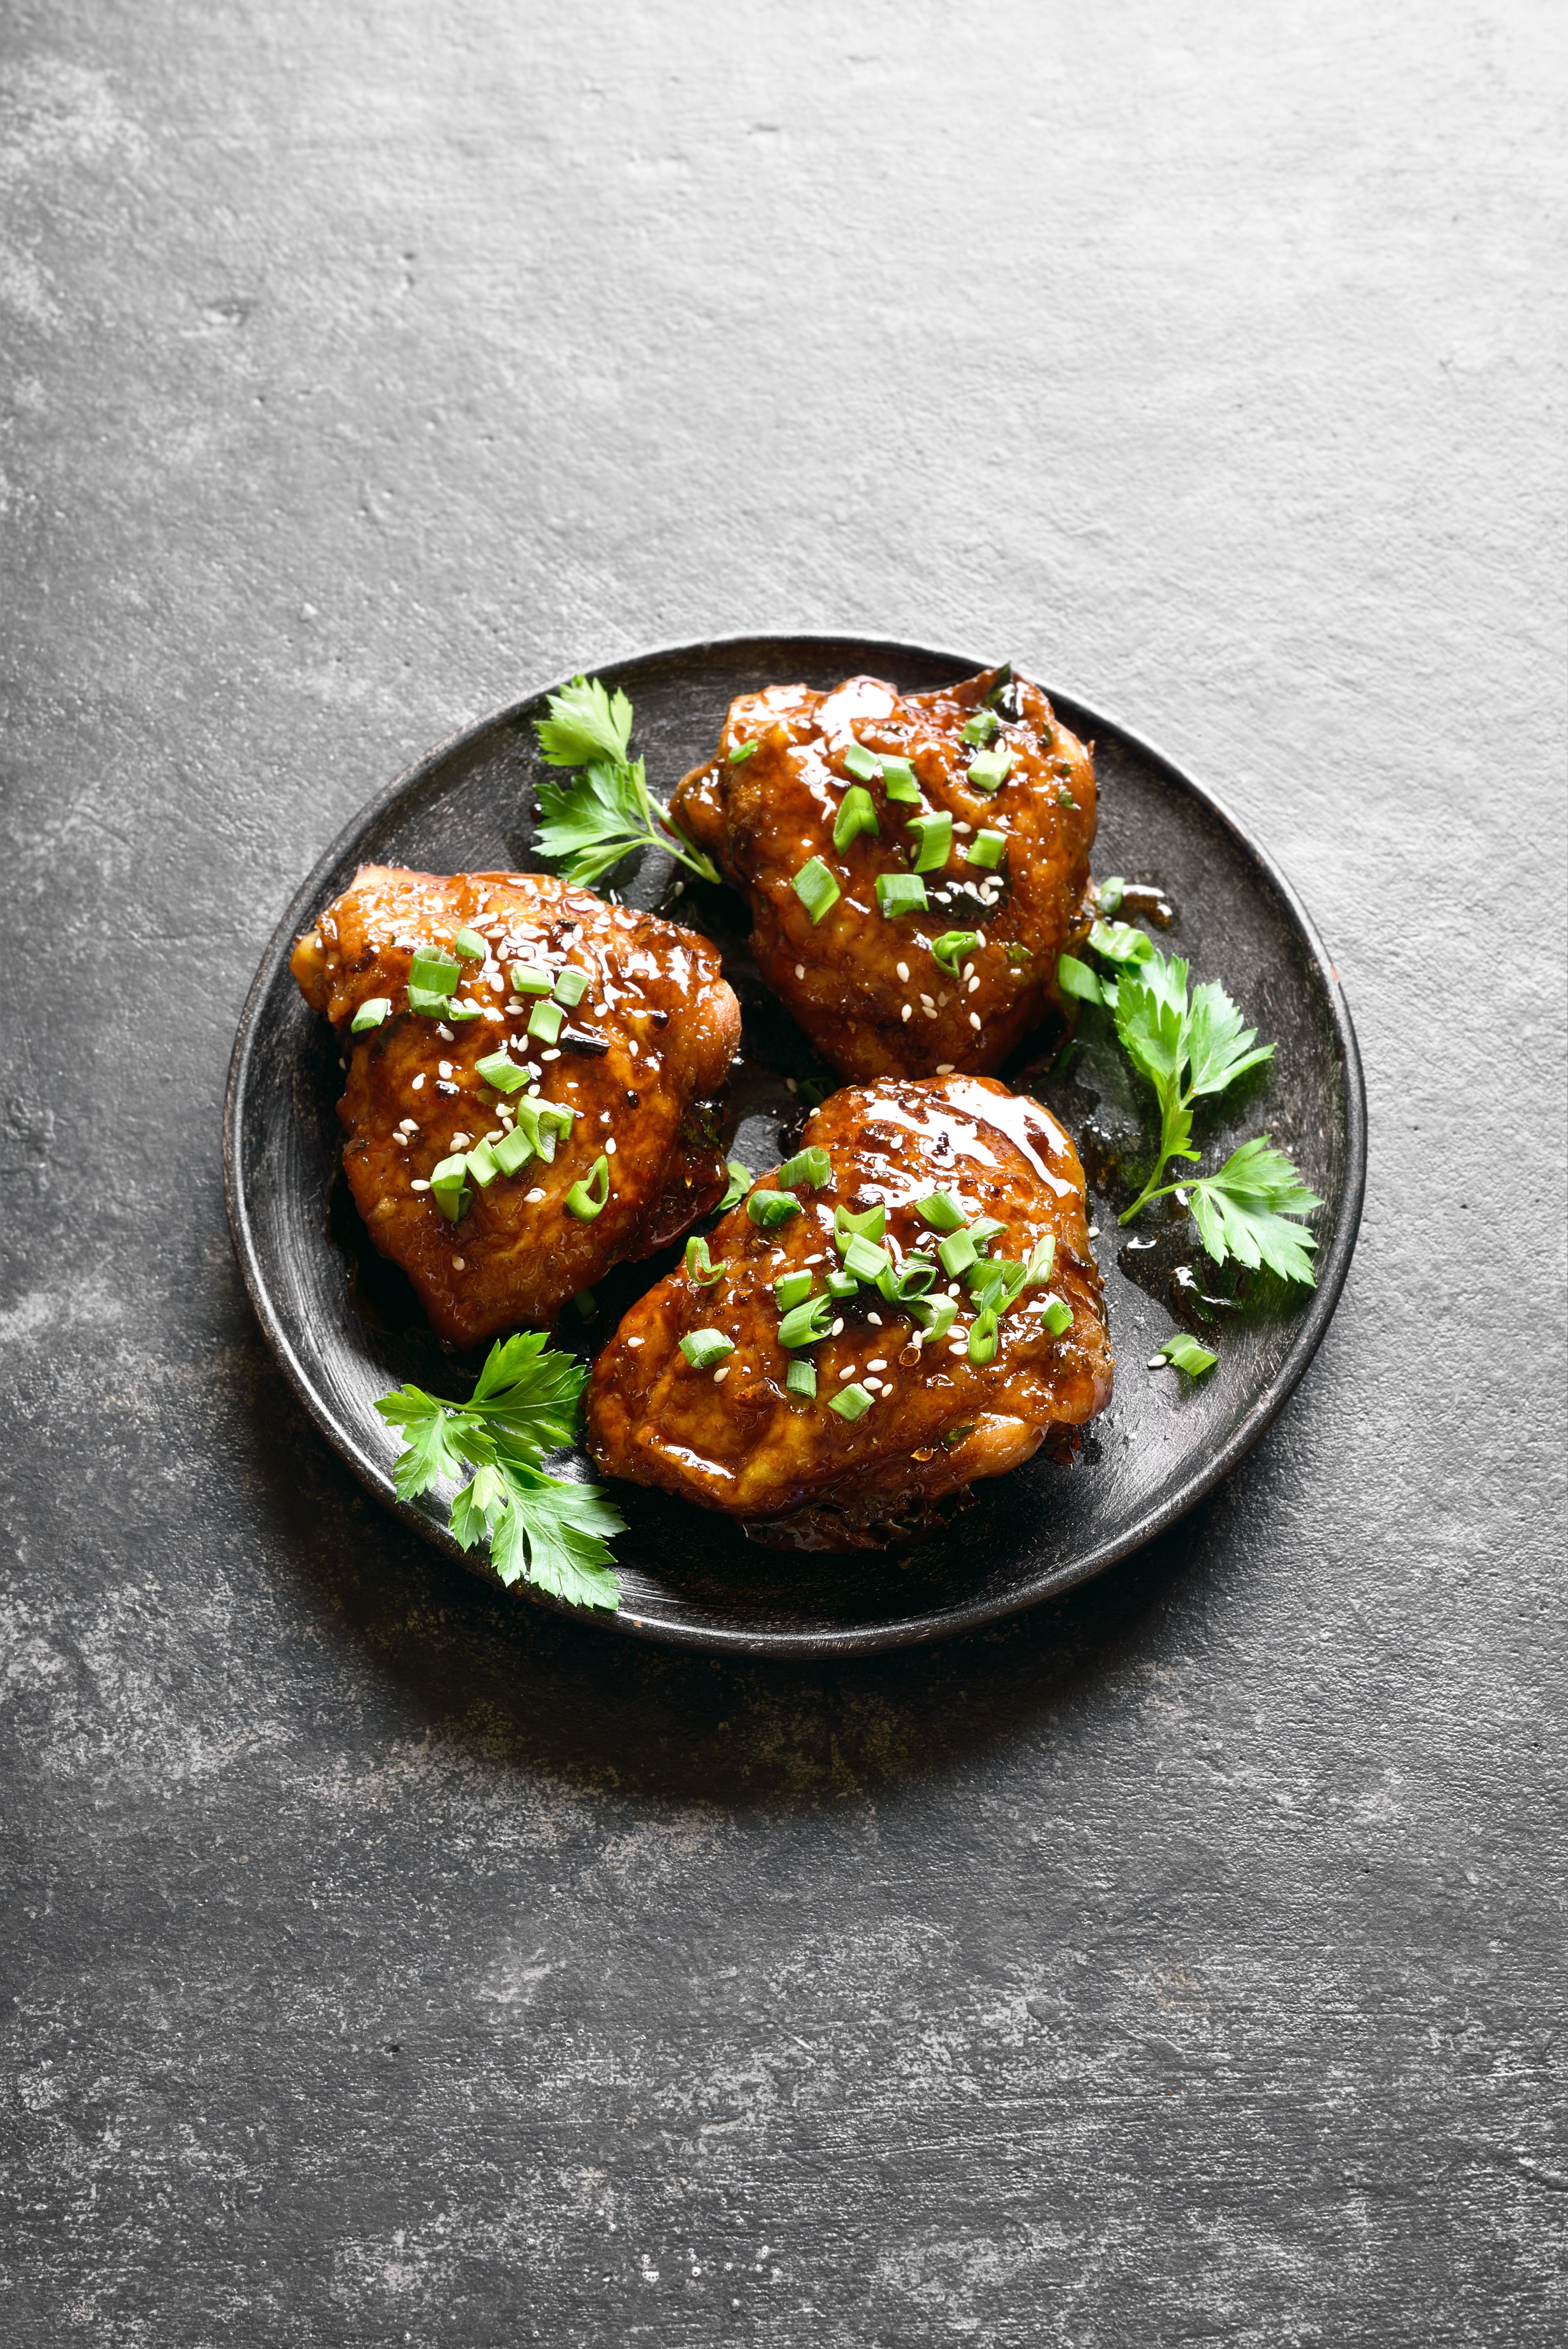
(733, 1438)
(868, 991)
(654, 998)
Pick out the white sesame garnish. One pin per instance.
(459, 1264)
(959, 1346)
(800, 971)
(443, 1032)
(876, 1317)
(974, 1019)
(962, 827)
(952, 1288)
(552, 1055)
(981, 935)
(719, 1376)
(907, 1012)
(445, 1067)
(791, 1084)
(974, 987)
(836, 1328)
(872, 1386)
(944, 1068)
(903, 970)
(419, 1183)
(609, 1148)
(603, 1117)
(460, 1142)
(633, 1341)
(533, 1198)
(877, 1365)
(941, 997)
(1094, 1231)
(929, 1010)
(417, 1081)
(847, 1372)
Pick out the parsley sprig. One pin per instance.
(609, 811)
(540, 1529)
(1189, 1044)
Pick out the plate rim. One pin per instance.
(913, 1631)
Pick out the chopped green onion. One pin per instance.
(370, 1014)
(952, 946)
(768, 1210)
(981, 729)
(957, 1254)
(1111, 893)
(1187, 1354)
(792, 1288)
(986, 850)
(500, 1070)
(1056, 1315)
(1119, 942)
(703, 1348)
(996, 1284)
(527, 980)
(434, 972)
(1018, 956)
(700, 1266)
(1042, 1256)
(865, 1259)
(449, 1187)
(841, 1284)
(856, 814)
(801, 1379)
(1075, 978)
(805, 1324)
(545, 1022)
(911, 1278)
(570, 986)
(943, 1213)
(851, 1403)
(586, 1200)
(542, 1122)
(871, 1224)
(470, 946)
(737, 1188)
(934, 1314)
(481, 1165)
(983, 1230)
(863, 763)
(430, 1005)
(742, 751)
(898, 781)
(899, 894)
(513, 1150)
(983, 1339)
(935, 834)
(808, 1170)
(989, 770)
(816, 888)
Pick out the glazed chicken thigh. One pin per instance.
(525, 1070)
(916, 863)
(908, 1305)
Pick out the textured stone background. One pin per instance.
(1182, 1965)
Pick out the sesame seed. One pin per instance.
(417, 1081)
(1157, 1361)
(944, 1068)
(847, 1372)
(552, 1055)
(443, 1032)
(962, 827)
(719, 1376)
(952, 1288)
(876, 1317)
(633, 1341)
(419, 1183)
(800, 971)
(836, 1328)
(872, 1386)
(877, 1365)
(459, 1264)
(929, 1010)
(609, 1148)
(902, 970)
(791, 1084)
(1094, 1231)
(974, 1019)
(969, 970)
(907, 1012)
(974, 987)
(533, 1198)
(981, 935)
(460, 1142)
(941, 997)
(603, 1117)
(445, 1067)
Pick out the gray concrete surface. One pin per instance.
(1181, 1965)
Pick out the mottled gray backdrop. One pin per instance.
(383, 1964)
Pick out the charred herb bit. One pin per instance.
(546, 1530)
(609, 811)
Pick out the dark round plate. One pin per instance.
(339, 1322)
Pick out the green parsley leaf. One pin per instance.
(609, 811)
(1242, 1212)
(547, 1530)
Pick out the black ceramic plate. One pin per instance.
(345, 1330)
